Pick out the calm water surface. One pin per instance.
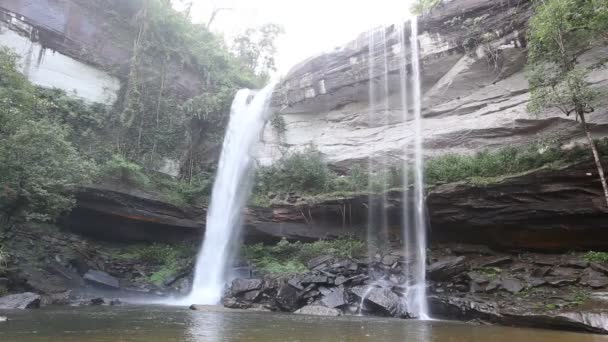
(152, 324)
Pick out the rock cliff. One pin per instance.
(473, 54)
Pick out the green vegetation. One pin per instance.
(596, 257)
(491, 272)
(168, 260)
(291, 258)
(486, 165)
(39, 165)
(307, 174)
(255, 48)
(424, 6)
(560, 32)
(121, 170)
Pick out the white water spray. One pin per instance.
(230, 192)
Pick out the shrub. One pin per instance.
(124, 171)
(596, 256)
(39, 169)
(168, 260)
(287, 258)
(304, 172)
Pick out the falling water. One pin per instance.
(371, 234)
(230, 192)
(414, 219)
(415, 236)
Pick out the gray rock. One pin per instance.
(252, 296)
(240, 286)
(314, 263)
(600, 267)
(547, 260)
(390, 259)
(511, 285)
(535, 282)
(233, 303)
(318, 310)
(383, 299)
(561, 280)
(101, 279)
(27, 300)
(295, 282)
(540, 272)
(493, 285)
(575, 261)
(333, 298)
(446, 268)
(478, 277)
(497, 261)
(594, 279)
(287, 298)
(314, 279)
(564, 272)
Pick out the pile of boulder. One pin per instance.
(334, 286)
(467, 283)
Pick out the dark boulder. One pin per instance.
(27, 300)
(240, 286)
(382, 300)
(97, 301)
(234, 303)
(594, 279)
(511, 285)
(101, 279)
(333, 297)
(287, 298)
(447, 268)
(314, 279)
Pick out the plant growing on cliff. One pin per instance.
(304, 172)
(423, 6)
(290, 258)
(560, 31)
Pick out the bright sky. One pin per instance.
(311, 26)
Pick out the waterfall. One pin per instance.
(415, 235)
(414, 216)
(231, 189)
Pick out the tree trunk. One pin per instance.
(596, 156)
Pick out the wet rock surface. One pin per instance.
(482, 285)
(318, 310)
(27, 300)
(102, 279)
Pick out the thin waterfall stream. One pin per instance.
(414, 216)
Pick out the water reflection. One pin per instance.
(162, 324)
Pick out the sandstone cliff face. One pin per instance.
(475, 93)
(81, 46)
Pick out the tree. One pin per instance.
(256, 48)
(39, 166)
(560, 31)
(39, 169)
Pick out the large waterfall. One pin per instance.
(230, 192)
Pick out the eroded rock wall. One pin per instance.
(473, 54)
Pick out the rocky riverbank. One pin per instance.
(465, 282)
